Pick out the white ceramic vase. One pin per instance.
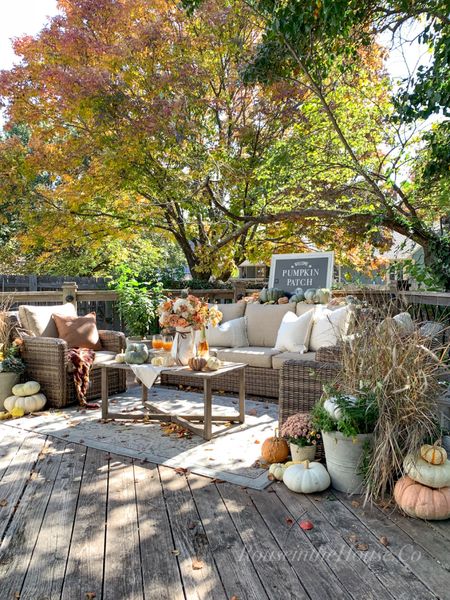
(183, 345)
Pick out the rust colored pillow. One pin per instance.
(78, 332)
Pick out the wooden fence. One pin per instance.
(423, 305)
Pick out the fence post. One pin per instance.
(69, 292)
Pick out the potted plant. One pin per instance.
(302, 437)
(11, 365)
(346, 423)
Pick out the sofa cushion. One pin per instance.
(254, 356)
(101, 356)
(329, 327)
(38, 321)
(279, 359)
(263, 322)
(230, 334)
(231, 311)
(302, 308)
(294, 332)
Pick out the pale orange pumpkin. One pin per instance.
(197, 363)
(275, 449)
(422, 502)
(435, 454)
(283, 300)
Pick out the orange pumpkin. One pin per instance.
(197, 363)
(422, 502)
(435, 454)
(275, 449)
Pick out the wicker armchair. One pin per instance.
(46, 361)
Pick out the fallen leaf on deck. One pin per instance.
(289, 521)
(234, 598)
(197, 564)
(306, 525)
(192, 525)
(90, 595)
(271, 477)
(356, 504)
(252, 412)
(362, 547)
(257, 442)
(217, 481)
(353, 538)
(383, 540)
(175, 552)
(182, 471)
(3, 502)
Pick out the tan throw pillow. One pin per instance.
(78, 332)
(37, 320)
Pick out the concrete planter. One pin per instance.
(7, 381)
(343, 456)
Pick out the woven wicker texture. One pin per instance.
(46, 361)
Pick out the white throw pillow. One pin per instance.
(293, 334)
(329, 326)
(232, 334)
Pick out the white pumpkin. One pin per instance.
(335, 412)
(28, 404)
(435, 476)
(277, 470)
(213, 363)
(26, 389)
(158, 361)
(306, 478)
(120, 358)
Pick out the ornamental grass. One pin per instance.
(405, 370)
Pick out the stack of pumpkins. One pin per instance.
(301, 477)
(424, 491)
(25, 399)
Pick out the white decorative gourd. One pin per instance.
(26, 389)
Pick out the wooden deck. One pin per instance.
(78, 523)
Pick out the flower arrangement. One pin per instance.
(298, 429)
(189, 312)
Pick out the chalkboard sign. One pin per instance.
(291, 271)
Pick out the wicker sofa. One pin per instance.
(46, 361)
(270, 373)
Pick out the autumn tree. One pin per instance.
(318, 44)
(140, 121)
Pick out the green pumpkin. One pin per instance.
(310, 296)
(322, 296)
(297, 296)
(136, 354)
(263, 295)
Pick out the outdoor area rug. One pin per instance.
(232, 456)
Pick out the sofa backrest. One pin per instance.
(231, 311)
(263, 322)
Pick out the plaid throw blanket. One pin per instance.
(82, 360)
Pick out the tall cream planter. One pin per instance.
(343, 456)
(7, 381)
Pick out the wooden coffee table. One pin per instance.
(199, 424)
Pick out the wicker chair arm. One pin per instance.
(113, 341)
(301, 385)
(329, 354)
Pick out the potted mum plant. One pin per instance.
(299, 432)
(11, 365)
(346, 423)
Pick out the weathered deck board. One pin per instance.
(190, 540)
(277, 575)
(123, 574)
(238, 574)
(424, 567)
(352, 573)
(51, 547)
(79, 522)
(160, 570)
(20, 539)
(84, 571)
(399, 580)
(304, 558)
